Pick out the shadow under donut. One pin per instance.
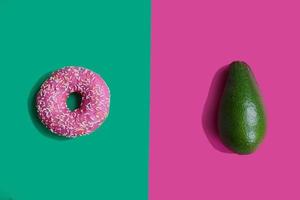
(31, 103)
(4, 196)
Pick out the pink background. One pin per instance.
(191, 41)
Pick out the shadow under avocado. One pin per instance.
(33, 111)
(211, 107)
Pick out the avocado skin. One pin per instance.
(241, 117)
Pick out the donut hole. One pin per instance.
(74, 101)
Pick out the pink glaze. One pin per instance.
(52, 107)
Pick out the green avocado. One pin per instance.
(241, 116)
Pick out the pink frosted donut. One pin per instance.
(52, 107)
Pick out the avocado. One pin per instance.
(241, 114)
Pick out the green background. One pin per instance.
(110, 37)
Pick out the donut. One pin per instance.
(52, 107)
